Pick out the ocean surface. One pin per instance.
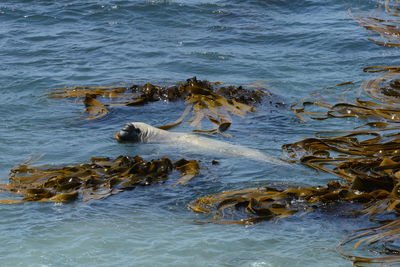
(297, 46)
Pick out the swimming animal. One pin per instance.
(142, 132)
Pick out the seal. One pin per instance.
(145, 133)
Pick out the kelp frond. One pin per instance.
(366, 158)
(387, 25)
(380, 240)
(204, 100)
(267, 203)
(98, 179)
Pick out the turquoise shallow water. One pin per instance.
(299, 46)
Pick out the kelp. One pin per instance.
(380, 240)
(247, 206)
(100, 178)
(94, 107)
(188, 168)
(387, 28)
(204, 100)
(383, 90)
(366, 159)
(252, 205)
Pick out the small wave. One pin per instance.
(211, 55)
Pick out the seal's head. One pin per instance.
(139, 132)
(129, 133)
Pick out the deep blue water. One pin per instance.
(298, 46)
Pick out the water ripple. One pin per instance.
(298, 46)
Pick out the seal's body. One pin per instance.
(142, 132)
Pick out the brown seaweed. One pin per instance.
(365, 158)
(188, 168)
(203, 99)
(94, 107)
(100, 178)
(387, 28)
(266, 203)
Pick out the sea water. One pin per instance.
(297, 46)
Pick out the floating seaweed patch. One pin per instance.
(366, 158)
(385, 90)
(203, 99)
(100, 178)
(387, 28)
(94, 107)
(253, 205)
(380, 239)
(266, 203)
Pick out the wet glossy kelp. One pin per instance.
(386, 23)
(366, 158)
(265, 203)
(381, 241)
(205, 100)
(98, 179)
